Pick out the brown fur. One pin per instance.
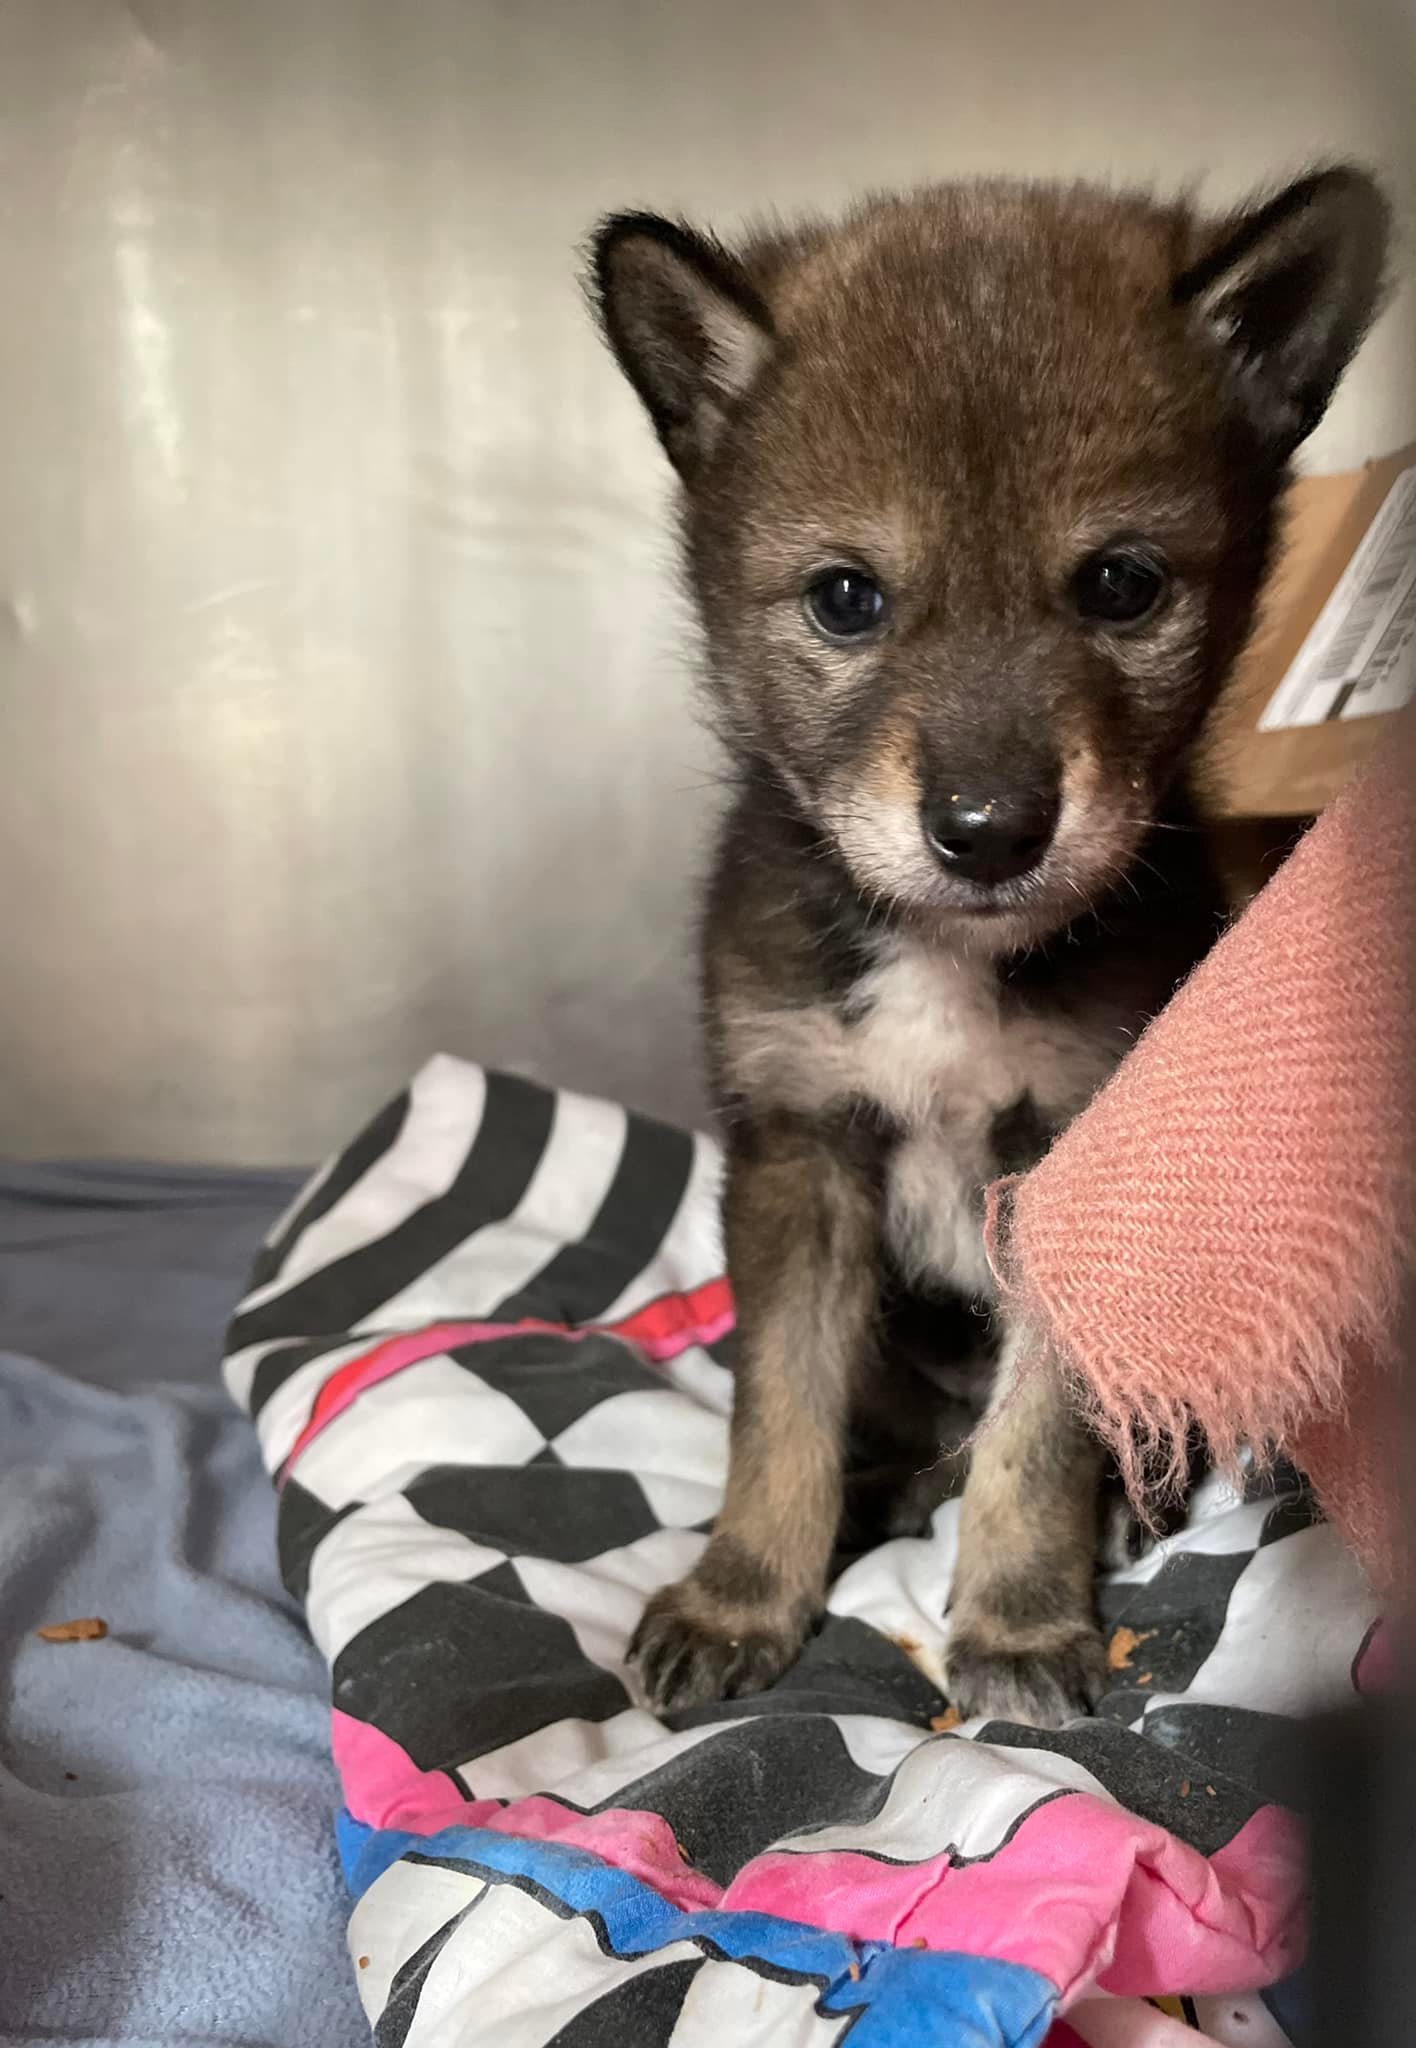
(963, 394)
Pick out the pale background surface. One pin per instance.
(343, 709)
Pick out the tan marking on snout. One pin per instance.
(891, 773)
(1102, 820)
(873, 811)
(1081, 775)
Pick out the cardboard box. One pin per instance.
(1335, 653)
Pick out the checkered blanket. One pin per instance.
(488, 1358)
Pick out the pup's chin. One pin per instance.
(995, 923)
(989, 922)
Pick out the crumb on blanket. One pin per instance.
(89, 1630)
(1121, 1650)
(950, 1718)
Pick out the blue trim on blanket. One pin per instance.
(897, 1994)
(364, 1852)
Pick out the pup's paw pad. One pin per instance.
(686, 1660)
(1043, 1683)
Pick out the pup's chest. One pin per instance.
(971, 1085)
(925, 1037)
(935, 1044)
(968, 1083)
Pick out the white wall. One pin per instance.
(342, 707)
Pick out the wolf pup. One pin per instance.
(979, 489)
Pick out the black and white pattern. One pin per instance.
(487, 1358)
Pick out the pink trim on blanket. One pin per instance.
(1128, 1906)
(394, 1354)
(661, 1330)
(384, 1788)
(1083, 1892)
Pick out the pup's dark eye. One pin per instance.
(844, 603)
(1119, 586)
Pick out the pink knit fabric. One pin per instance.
(1219, 1237)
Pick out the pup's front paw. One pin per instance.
(688, 1654)
(1042, 1676)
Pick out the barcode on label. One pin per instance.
(1342, 655)
(1360, 657)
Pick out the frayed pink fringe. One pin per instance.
(1219, 1240)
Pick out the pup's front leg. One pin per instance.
(802, 1222)
(1023, 1640)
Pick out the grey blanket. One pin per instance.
(167, 1869)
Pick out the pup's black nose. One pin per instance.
(989, 839)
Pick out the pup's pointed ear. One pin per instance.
(1288, 290)
(684, 319)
